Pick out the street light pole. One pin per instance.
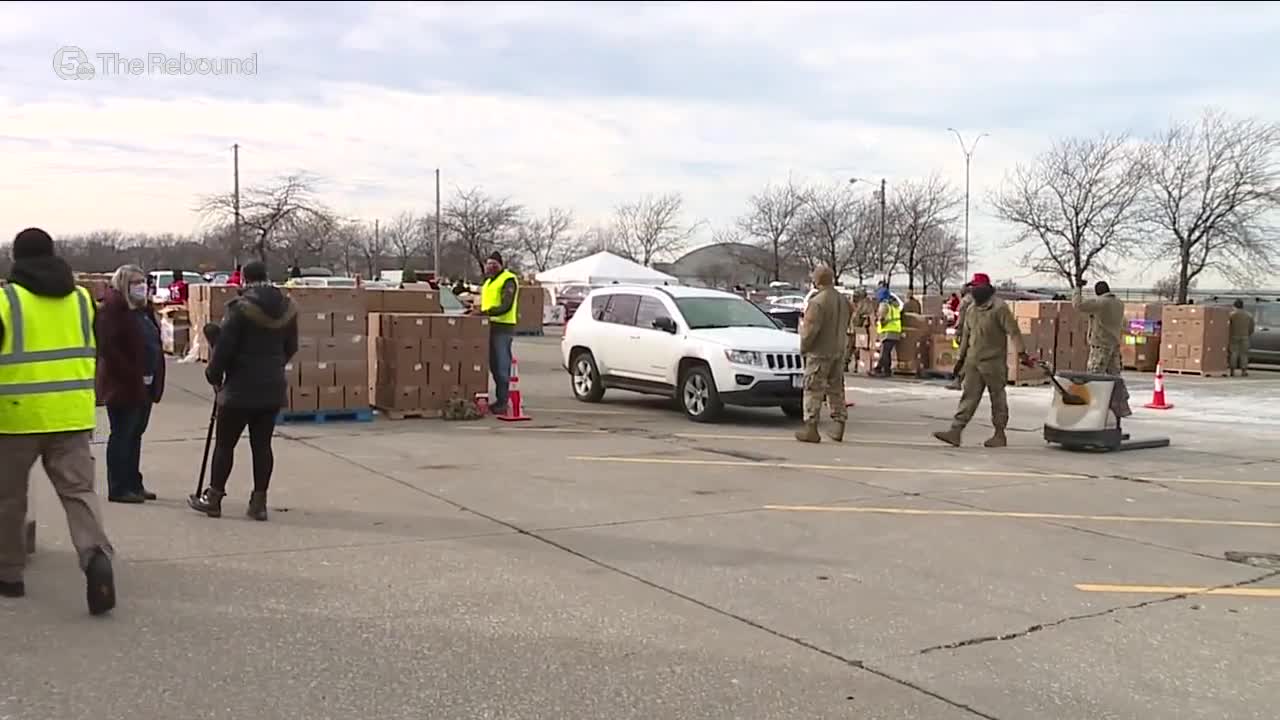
(883, 194)
(968, 157)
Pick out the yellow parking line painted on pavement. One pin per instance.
(1024, 515)
(1198, 481)
(787, 438)
(809, 466)
(1256, 592)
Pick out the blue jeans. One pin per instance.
(124, 449)
(500, 366)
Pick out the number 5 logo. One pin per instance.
(72, 63)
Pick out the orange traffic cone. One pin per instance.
(515, 409)
(1157, 396)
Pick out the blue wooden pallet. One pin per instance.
(326, 416)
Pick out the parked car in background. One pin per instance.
(703, 348)
(787, 316)
(322, 282)
(1264, 346)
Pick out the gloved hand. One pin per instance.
(214, 379)
(1026, 359)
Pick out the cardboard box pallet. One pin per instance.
(330, 371)
(1195, 340)
(1141, 348)
(418, 362)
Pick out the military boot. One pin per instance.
(209, 502)
(950, 437)
(837, 432)
(809, 434)
(257, 506)
(998, 440)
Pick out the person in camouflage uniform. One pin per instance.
(989, 328)
(822, 342)
(862, 310)
(1241, 326)
(1106, 328)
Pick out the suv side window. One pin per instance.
(622, 309)
(651, 309)
(1268, 315)
(599, 304)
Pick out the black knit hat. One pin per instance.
(495, 255)
(32, 243)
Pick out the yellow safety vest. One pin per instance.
(891, 324)
(48, 359)
(491, 297)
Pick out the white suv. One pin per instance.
(704, 348)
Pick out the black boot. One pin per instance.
(209, 502)
(13, 589)
(100, 584)
(257, 506)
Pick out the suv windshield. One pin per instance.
(449, 301)
(719, 312)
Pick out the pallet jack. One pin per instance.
(1081, 417)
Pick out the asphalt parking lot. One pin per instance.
(617, 561)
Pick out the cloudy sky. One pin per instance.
(588, 104)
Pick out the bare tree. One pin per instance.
(373, 248)
(1213, 194)
(824, 232)
(1075, 206)
(546, 241)
(770, 218)
(651, 227)
(919, 210)
(943, 260)
(868, 253)
(481, 224)
(402, 238)
(265, 209)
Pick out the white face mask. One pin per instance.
(138, 292)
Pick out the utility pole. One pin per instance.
(436, 264)
(883, 193)
(968, 157)
(235, 159)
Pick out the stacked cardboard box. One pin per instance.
(1040, 340)
(95, 283)
(1142, 339)
(415, 298)
(944, 349)
(207, 304)
(330, 372)
(1195, 339)
(530, 310)
(912, 355)
(175, 330)
(420, 361)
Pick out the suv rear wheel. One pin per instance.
(585, 376)
(699, 397)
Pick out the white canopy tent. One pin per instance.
(605, 268)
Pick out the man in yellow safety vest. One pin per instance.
(48, 362)
(498, 300)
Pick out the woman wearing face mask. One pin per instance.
(130, 378)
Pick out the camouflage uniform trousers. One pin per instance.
(1104, 360)
(824, 380)
(1238, 354)
(989, 377)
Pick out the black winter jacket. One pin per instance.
(259, 336)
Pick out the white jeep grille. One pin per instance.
(784, 361)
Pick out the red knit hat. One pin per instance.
(980, 279)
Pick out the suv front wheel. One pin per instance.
(585, 376)
(699, 397)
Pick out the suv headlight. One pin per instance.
(744, 357)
